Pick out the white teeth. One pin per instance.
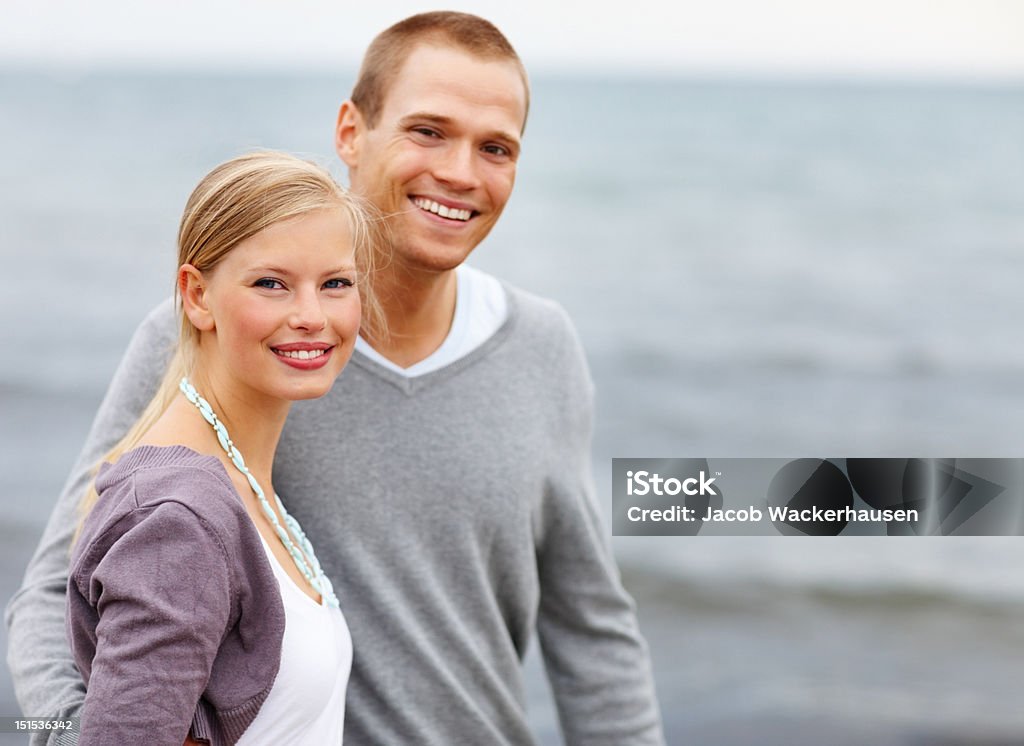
(452, 213)
(301, 354)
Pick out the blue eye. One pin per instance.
(268, 282)
(338, 283)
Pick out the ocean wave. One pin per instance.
(654, 587)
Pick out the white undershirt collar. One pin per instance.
(480, 309)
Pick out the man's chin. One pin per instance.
(431, 257)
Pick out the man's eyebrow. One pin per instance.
(426, 116)
(420, 116)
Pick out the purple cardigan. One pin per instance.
(174, 614)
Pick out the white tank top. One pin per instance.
(306, 704)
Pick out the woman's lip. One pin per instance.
(295, 346)
(300, 363)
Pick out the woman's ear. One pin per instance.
(192, 287)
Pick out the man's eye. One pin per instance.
(496, 150)
(269, 283)
(338, 282)
(426, 132)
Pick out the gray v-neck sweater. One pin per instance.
(455, 513)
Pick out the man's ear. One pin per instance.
(348, 133)
(192, 288)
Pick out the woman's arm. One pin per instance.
(44, 675)
(162, 590)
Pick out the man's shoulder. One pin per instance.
(539, 317)
(161, 320)
(150, 348)
(540, 337)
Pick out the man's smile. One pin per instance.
(445, 211)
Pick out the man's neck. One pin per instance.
(418, 308)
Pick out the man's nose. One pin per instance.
(458, 166)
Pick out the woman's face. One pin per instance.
(279, 314)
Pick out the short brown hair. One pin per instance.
(391, 48)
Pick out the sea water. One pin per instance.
(756, 268)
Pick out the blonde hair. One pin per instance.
(235, 201)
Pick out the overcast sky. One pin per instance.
(959, 38)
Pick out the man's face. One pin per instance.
(441, 160)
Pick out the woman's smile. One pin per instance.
(304, 355)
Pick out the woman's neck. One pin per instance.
(254, 423)
(254, 420)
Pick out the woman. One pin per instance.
(196, 605)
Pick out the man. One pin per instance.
(445, 480)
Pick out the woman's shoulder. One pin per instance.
(168, 495)
(147, 477)
(164, 472)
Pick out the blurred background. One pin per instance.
(783, 229)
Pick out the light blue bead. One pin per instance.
(306, 560)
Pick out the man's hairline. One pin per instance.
(440, 41)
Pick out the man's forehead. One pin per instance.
(432, 67)
(453, 54)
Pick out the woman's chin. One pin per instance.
(310, 390)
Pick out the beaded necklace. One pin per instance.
(310, 569)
